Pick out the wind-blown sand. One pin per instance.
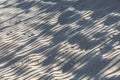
(59, 39)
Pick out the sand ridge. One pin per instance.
(59, 40)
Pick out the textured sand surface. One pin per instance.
(59, 39)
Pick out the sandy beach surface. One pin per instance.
(59, 39)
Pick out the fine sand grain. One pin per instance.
(59, 39)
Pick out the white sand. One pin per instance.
(59, 39)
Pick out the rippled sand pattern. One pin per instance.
(59, 39)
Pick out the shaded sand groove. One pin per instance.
(59, 40)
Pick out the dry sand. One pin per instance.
(59, 39)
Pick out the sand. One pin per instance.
(59, 39)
